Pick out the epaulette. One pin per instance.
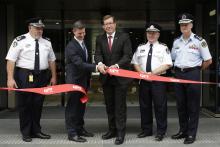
(197, 37)
(162, 43)
(177, 38)
(19, 38)
(141, 44)
(48, 39)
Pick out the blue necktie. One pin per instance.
(85, 50)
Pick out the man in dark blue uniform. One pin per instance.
(28, 60)
(190, 54)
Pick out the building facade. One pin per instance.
(132, 16)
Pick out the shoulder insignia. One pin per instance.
(48, 39)
(197, 37)
(14, 44)
(177, 38)
(162, 43)
(19, 38)
(204, 44)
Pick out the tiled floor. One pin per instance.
(53, 123)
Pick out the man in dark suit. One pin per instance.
(113, 50)
(78, 71)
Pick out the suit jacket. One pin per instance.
(121, 53)
(78, 70)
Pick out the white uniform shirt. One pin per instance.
(190, 53)
(22, 51)
(160, 56)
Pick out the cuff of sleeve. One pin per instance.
(100, 63)
(96, 68)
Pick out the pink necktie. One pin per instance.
(110, 42)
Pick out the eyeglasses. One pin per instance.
(111, 23)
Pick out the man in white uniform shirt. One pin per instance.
(28, 60)
(152, 58)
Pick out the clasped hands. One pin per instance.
(102, 68)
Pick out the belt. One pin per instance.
(186, 69)
(29, 70)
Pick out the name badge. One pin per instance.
(31, 78)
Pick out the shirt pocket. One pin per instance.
(141, 58)
(193, 55)
(45, 52)
(192, 51)
(29, 53)
(177, 51)
(158, 58)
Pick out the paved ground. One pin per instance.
(53, 123)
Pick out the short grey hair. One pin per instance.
(78, 25)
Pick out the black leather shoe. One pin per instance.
(143, 134)
(179, 135)
(159, 137)
(85, 133)
(108, 135)
(26, 138)
(119, 140)
(76, 138)
(41, 136)
(189, 140)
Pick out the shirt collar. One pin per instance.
(113, 35)
(79, 41)
(155, 43)
(28, 35)
(190, 37)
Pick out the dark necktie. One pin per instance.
(110, 43)
(85, 50)
(148, 65)
(37, 56)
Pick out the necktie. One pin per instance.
(85, 50)
(110, 42)
(37, 61)
(148, 65)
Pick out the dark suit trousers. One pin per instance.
(153, 92)
(30, 104)
(115, 100)
(188, 101)
(74, 113)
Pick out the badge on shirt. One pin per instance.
(31, 78)
(142, 51)
(177, 48)
(27, 45)
(15, 44)
(204, 44)
(194, 47)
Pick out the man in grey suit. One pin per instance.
(113, 50)
(78, 71)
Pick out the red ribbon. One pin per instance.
(54, 90)
(112, 71)
(149, 77)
